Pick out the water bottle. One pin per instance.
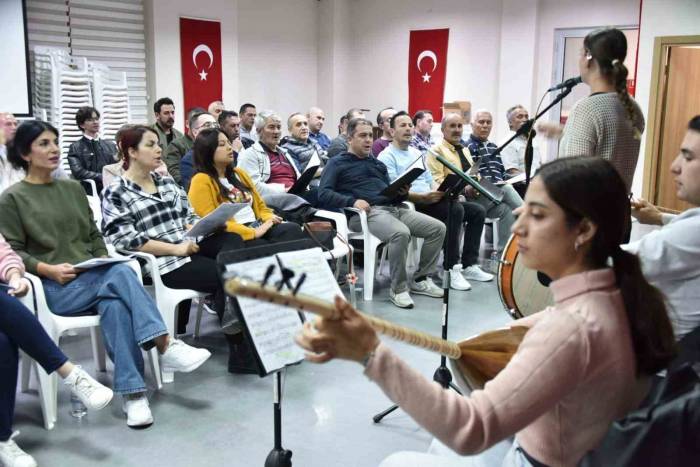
(77, 408)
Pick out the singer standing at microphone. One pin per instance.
(608, 123)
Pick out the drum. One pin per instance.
(521, 292)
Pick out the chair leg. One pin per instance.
(495, 235)
(382, 260)
(198, 322)
(98, 349)
(26, 370)
(155, 367)
(370, 257)
(48, 396)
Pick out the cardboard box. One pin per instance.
(464, 108)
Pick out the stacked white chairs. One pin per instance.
(111, 98)
(61, 86)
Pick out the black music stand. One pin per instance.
(278, 456)
(442, 374)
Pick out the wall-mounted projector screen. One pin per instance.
(15, 93)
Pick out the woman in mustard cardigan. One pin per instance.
(217, 181)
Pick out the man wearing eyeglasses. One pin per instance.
(90, 154)
(185, 166)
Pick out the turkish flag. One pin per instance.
(200, 56)
(427, 66)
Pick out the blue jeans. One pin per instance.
(128, 317)
(20, 328)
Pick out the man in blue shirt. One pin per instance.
(356, 179)
(316, 120)
(398, 157)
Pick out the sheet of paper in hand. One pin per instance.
(214, 220)
(272, 327)
(413, 171)
(97, 262)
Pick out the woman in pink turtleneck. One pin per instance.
(583, 363)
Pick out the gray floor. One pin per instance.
(212, 418)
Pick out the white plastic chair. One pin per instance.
(55, 326)
(413, 255)
(371, 243)
(494, 237)
(167, 299)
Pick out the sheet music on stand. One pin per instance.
(272, 327)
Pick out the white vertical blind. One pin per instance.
(104, 31)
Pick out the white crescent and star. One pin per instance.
(197, 50)
(426, 54)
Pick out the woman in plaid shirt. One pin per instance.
(146, 212)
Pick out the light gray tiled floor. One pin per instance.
(211, 418)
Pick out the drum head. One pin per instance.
(520, 289)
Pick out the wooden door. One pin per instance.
(681, 102)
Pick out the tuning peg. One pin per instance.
(268, 274)
(286, 275)
(301, 280)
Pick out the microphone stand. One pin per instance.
(527, 128)
(442, 375)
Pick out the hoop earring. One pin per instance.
(577, 245)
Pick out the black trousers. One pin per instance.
(472, 215)
(201, 274)
(284, 232)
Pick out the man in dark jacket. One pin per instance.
(356, 179)
(90, 154)
(299, 145)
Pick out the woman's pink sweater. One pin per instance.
(573, 374)
(8, 260)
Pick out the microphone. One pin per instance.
(569, 83)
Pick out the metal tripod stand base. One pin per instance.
(279, 458)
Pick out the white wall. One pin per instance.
(659, 18)
(268, 51)
(380, 35)
(277, 53)
(163, 44)
(288, 55)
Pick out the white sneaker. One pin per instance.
(182, 357)
(12, 455)
(92, 393)
(427, 287)
(138, 412)
(457, 281)
(475, 273)
(401, 300)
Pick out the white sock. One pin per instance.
(72, 376)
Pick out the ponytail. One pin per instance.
(608, 47)
(652, 334)
(619, 74)
(568, 182)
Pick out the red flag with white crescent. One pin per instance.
(200, 58)
(427, 67)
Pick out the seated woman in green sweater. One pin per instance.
(49, 224)
(217, 182)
